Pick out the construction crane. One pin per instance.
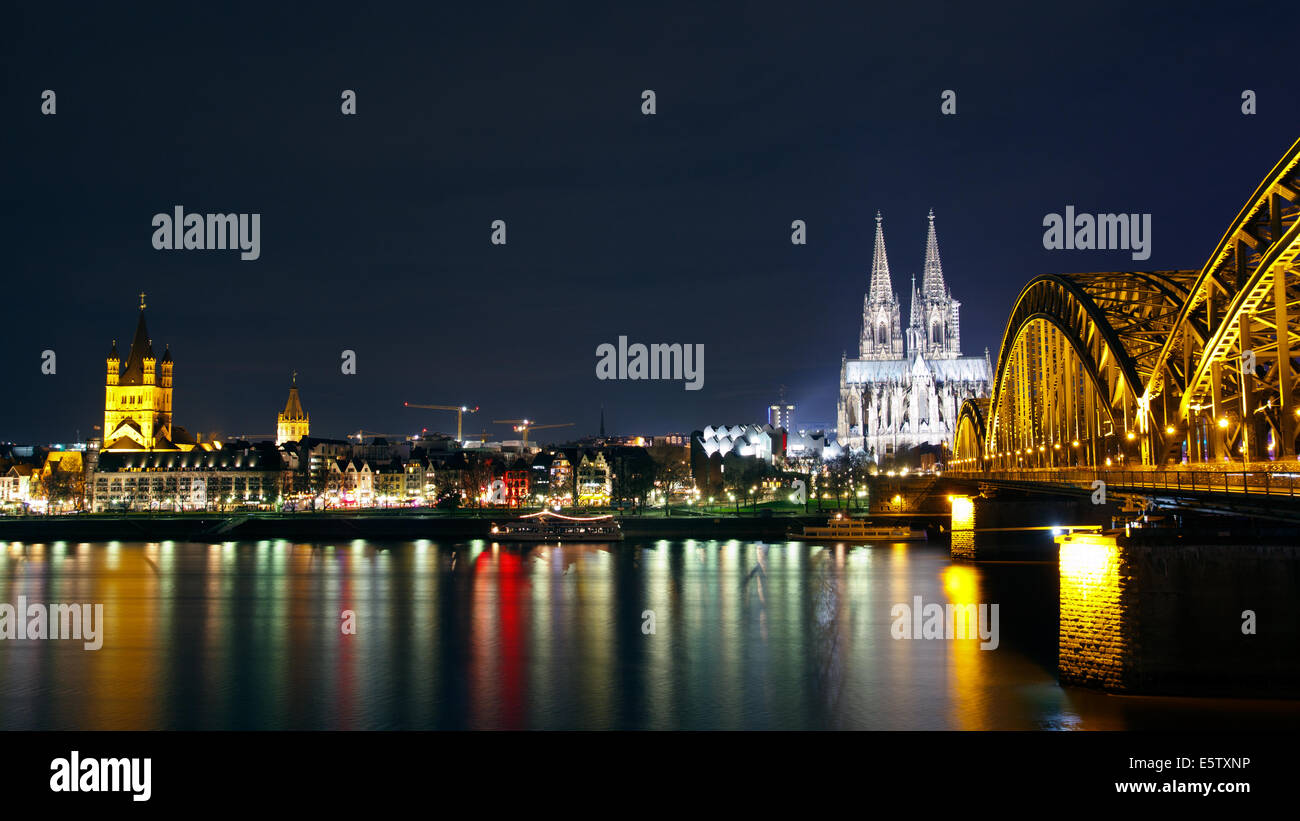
(461, 410)
(524, 426)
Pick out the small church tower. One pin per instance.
(292, 424)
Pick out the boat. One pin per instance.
(547, 526)
(861, 530)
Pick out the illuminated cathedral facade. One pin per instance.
(907, 385)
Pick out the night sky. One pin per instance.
(666, 228)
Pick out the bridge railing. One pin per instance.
(1190, 480)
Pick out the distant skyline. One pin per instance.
(674, 228)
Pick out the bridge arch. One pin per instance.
(1221, 386)
(968, 440)
(1147, 367)
(1067, 387)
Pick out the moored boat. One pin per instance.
(547, 526)
(861, 530)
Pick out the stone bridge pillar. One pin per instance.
(1167, 611)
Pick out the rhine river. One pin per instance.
(658, 635)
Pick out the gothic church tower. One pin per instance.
(882, 332)
(137, 397)
(934, 331)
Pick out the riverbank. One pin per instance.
(385, 525)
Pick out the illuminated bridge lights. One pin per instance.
(1160, 355)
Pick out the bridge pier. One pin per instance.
(1002, 525)
(1167, 612)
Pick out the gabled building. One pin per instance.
(518, 481)
(593, 481)
(350, 484)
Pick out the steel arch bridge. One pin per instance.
(1152, 367)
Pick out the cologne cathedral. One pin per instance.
(907, 385)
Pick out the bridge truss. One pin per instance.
(1153, 367)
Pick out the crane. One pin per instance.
(525, 425)
(461, 410)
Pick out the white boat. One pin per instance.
(861, 530)
(547, 526)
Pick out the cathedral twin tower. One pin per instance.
(933, 329)
(906, 387)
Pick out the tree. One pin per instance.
(671, 470)
(740, 473)
(57, 487)
(633, 475)
(476, 477)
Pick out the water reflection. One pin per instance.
(663, 635)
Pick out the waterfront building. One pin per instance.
(763, 442)
(16, 485)
(816, 446)
(292, 423)
(389, 483)
(905, 388)
(561, 484)
(539, 482)
(517, 477)
(241, 476)
(593, 481)
(419, 479)
(350, 483)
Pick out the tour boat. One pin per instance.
(546, 526)
(861, 530)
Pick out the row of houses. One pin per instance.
(318, 473)
(330, 474)
(40, 480)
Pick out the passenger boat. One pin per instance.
(861, 530)
(546, 526)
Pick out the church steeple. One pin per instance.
(882, 334)
(915, 321)
(882, 288)
(293, 423)
(932, 281)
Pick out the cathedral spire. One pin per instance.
(932, 286)
(881, 287)
(915, 321)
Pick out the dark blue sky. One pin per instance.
(671, 228)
